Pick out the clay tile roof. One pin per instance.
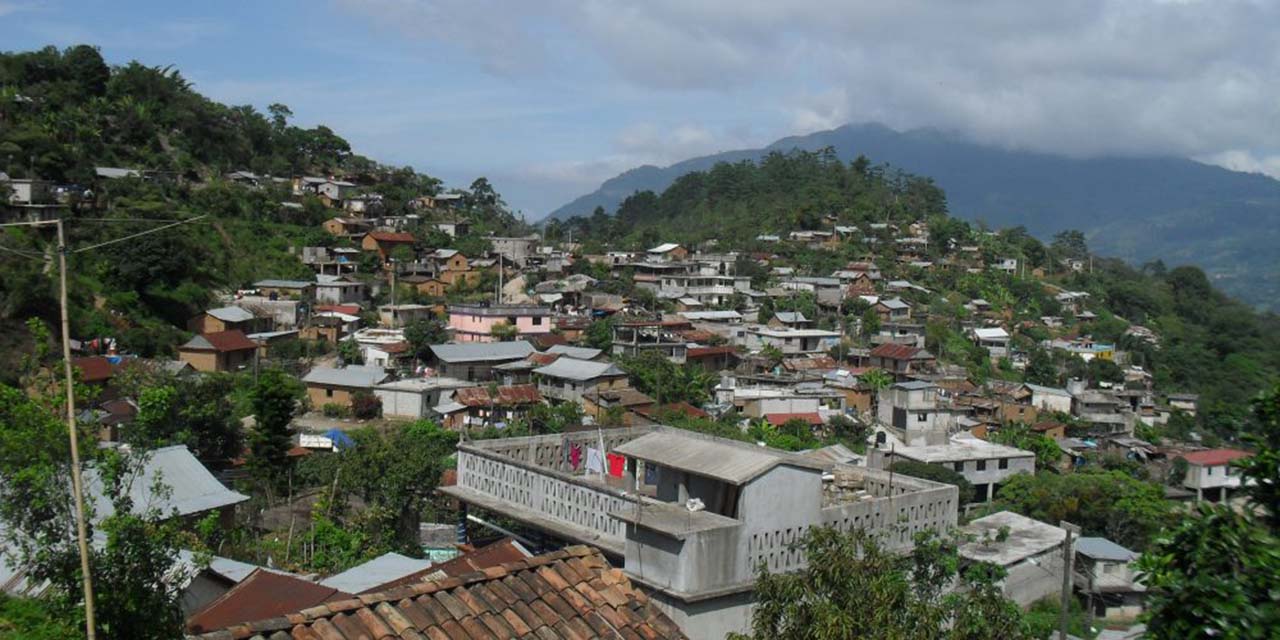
(779, 419)
(1215, 457)
(543, 359)
(487, 557)
(93, 368)
(707, 352)
(230, 340)
(387, 236)
(264, 594)
(507, 396)
(673, 407)
(571, 593)
(1047, 426)
(894, 351)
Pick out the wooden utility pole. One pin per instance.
(77, 485)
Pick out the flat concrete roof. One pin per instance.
(961, 449)
(1027, 538)
(714, 458)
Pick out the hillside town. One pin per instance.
(254, 385)
(639, 431)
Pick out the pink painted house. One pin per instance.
(474, 323)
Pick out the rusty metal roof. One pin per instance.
(571, 593)
(506, 396)
(264, 594)
(493, 555)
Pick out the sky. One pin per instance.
(549, 98)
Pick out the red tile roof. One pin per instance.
(230, 340)
(1215, 457)
(493, 555)
(542, 359)
(1047, 426)
(571, 593)
(673, 407)
(507, 396)
(94, 368)
(388, 236)
(894, 351)
(262, 595)
(707, 352)
(779, 419)
(349, 309)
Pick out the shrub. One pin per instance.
(365, 405)
(335, 410)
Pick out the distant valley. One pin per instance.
(1139, 209)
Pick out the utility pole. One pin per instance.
(77, 486)
(1068, 567)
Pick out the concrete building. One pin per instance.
(567, 379)
(1104, 573)
(791, 341)
(915, 414)
(1030, 551)
(1210, 474)
(397, 316)
(633, 338)
(227, 318)
(984, 464)
(994, 339)
(475, 323)
(475, 361)
(750, 504)
(516, 250)
(414, 398)
(338, 290)
(1050, 399)
(327, 385)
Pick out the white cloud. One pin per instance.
(1087, 77)
(1244, 160)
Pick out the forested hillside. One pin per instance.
(65, 112)
(1139, 209)
(1206, 342)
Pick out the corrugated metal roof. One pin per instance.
(264, 594)
(192, 488)
(581, 353)
(380, 570)
(1103, 549)
(231, 314)
(736, 464)
(493, 555)
(356, 377)
(573, 369)
(482, 351)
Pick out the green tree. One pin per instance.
(1217, 573)
(274, 398)
(423, 333)
(852, 587)
(1111, 504)
(937, 473)
(504, 331)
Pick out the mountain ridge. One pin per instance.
(1137, 208)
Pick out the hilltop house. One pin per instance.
(227, 318)
(567, 379)
(984, 464)
(385, 242)
(892, 309)
(475, 322)
(1210, 474)
(475, 361)
(218, 351)
(1028, 550)
(901, 360)
(337, 386)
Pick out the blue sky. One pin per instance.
(549, 98)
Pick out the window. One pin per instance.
(328, 393)
(959, 466)
(922, 417)
(537, 321)
(1004, 463)
(982, 465)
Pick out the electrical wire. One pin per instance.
(25, 254)
(137, 235)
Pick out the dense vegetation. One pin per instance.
(63, 113)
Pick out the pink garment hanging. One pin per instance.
(575, 456)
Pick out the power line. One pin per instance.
(25, 254)
(139, 234)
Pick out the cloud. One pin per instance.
(1087, 77)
